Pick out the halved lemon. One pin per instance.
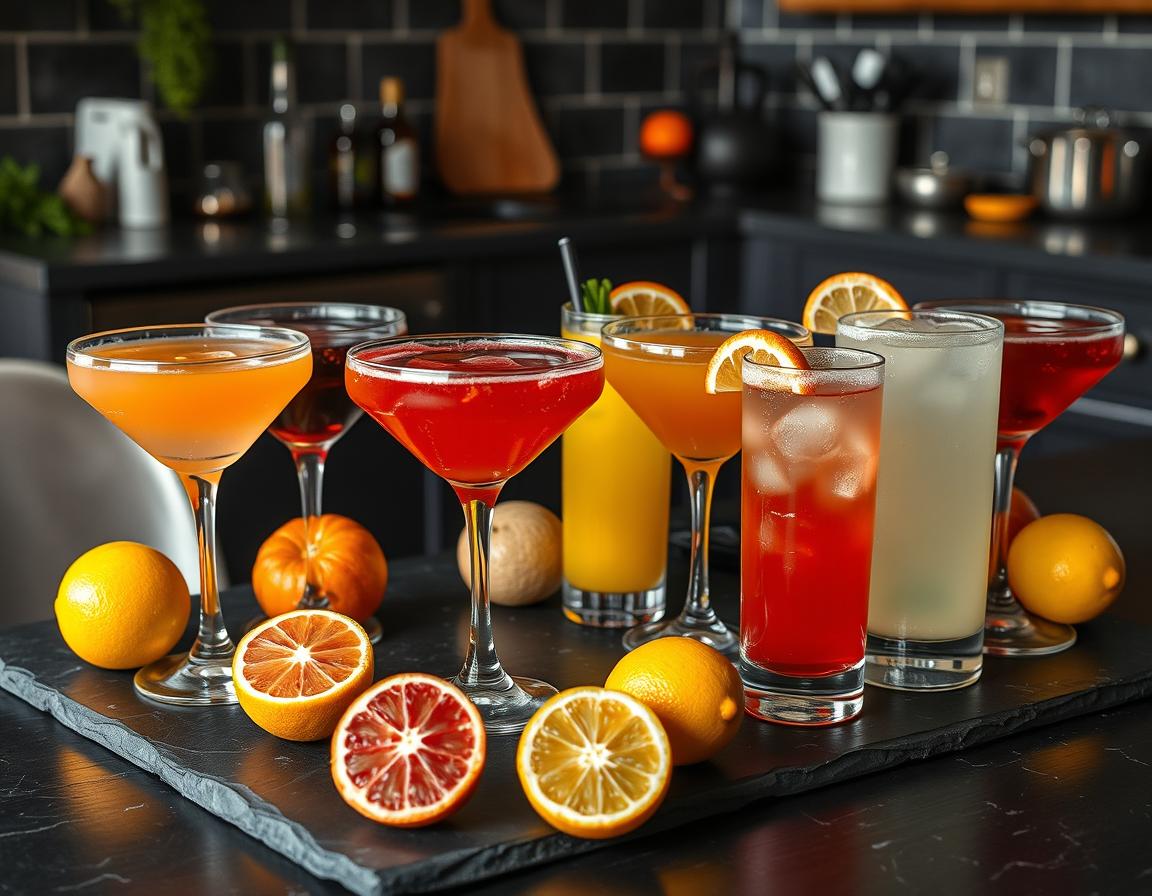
(765, 347)
(409, 751)
(645, 298)
(594, 763)
(295, 674)
(844, 293)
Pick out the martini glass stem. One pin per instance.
(701, 481)
(482, 667)
(212, 642)
(1000, 599)
(310, 472)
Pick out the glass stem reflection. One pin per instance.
(310, 472)
(481, 666)
(212, 642)
(1000, 599)
(701, 480)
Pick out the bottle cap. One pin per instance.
(391, 91)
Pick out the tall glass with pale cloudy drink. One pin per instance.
(934, 493)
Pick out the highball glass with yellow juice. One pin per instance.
(659, 365)
(616, 480)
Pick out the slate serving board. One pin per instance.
(281, 793)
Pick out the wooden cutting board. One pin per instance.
(489, 138)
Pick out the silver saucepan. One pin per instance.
(1092, 170)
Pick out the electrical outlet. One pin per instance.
(990, 81)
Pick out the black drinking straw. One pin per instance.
(571, 272)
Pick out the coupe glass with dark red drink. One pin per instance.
(322, 411)
(1053, 354)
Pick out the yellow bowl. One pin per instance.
(999, 207)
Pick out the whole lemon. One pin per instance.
(694, 690)
(122, 605)
(524, 565)
(1065, 567)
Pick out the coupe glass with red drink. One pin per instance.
(322, 411)
(811, 444)
(1053, 354)
(476, 410)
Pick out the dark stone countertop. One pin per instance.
(195, 251)
(1061, 809)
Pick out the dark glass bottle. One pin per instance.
(342, 161)
(398, 178)
(286, 142)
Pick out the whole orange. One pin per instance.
(351, 567)
(666, 134)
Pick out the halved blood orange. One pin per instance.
(764, 347)
(645, 298)
(409, 751)
(295, 674)
(842, 294)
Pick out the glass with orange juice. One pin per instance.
(616, 480)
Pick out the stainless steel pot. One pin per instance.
(1089, 171)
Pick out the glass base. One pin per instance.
(180, 680)
(506, 709)
(612, 609)
(371, 627)
(904, 665)
(718, 635)
(1019, 633)
(787, 700)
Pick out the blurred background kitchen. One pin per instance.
(217, 152)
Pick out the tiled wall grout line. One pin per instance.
(635, 17)
(672, 68)
(23, 88)
(355, 72)
(1063, 73)
(592, 68)
(965, 81)
(400, 18)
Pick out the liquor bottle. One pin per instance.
(342, 161)
(286, 142)
(398, 181)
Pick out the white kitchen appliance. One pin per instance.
(123, 141)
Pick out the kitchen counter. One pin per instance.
(201, 252)
(1064, 808)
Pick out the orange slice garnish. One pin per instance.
(845, 293)
(409, 751)
(645, 298)
(295, 674)
(594, 763)
(764, 347)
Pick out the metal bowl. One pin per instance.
(931, 187)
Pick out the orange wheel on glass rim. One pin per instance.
(845, 293)
(643, 298)
(409, 751)
(763, 346)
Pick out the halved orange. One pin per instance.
(645, 298)
(295, 674)
(594, 763)
(845, 293)
(409, 751)
(764, 347)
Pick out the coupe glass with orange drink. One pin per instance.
(476, 410)
(322, 411)
(1053, 354)
(811, 443)
(195, 397)
(658, 365)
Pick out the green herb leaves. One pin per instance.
(26, 209)
(595, 296)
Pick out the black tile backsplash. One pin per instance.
(346, 15)
(8, 104)
(38, 15)
(61, 74)
(632, 67)
(644, 53)
(414, 61)
(593, 13)
(1115, 77)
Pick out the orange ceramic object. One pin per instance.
(999, 207)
